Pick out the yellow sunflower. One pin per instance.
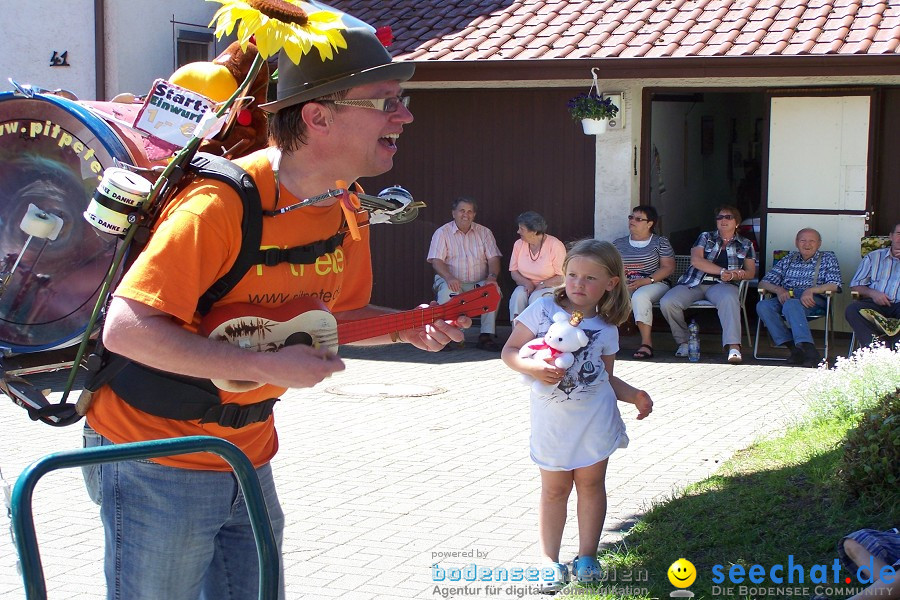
(296, 26)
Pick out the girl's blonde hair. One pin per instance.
(615, 305)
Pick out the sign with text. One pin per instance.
(172, 113)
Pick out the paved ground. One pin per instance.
(408, 458)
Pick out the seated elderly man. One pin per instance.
(799, 282)
(464, 255)
(877, 281)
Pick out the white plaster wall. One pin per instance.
(616, 181)
(34, 29)
(140, 39)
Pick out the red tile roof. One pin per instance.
(453, 30)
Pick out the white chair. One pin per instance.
(683, 261)
(829, 325)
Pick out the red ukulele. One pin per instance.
(307, 321)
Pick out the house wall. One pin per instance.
(511, 150)
(140, 40)
(34, 30)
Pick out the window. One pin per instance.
(193, 46)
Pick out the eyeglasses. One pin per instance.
(725, 217)
(638, 219)
(388, 105)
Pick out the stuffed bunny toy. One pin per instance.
(562, 339)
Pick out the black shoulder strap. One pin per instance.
(221, 169)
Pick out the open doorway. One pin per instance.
(705, 149)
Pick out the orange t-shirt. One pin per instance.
(197, 240)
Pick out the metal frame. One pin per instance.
(829, 326)
(23, 520)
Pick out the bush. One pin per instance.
(870, 465)
(855, 384)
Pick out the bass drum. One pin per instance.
(52, 154)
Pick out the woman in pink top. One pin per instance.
(535, 263)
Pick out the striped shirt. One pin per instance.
(738, 249)
(794, 273)
(643, 262)
(880, 271)
(466, 254)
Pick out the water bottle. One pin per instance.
(694, 342)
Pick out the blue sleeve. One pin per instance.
(863, 274)
(831, 270)
(701, 241)
(775, 275)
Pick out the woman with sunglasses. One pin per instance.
(720, 259)
(649, 260)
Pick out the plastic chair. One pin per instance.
(23, 520)
(829, 325)
(683, 261)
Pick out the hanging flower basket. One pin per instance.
(594, 126)
(592, 109)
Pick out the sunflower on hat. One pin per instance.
(292, 25)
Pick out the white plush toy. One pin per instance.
(562, 339)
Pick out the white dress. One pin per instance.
(579, 424)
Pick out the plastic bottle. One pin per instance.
(694, 342)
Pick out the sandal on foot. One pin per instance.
(586, 569)
(641, 354)
(559, 580)
(485, 342)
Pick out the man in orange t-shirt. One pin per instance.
(176, 527)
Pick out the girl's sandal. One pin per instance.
(641, 354)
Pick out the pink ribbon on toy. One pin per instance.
(545, 346)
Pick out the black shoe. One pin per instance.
(811, 356)
(796, 357)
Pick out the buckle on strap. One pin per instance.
(272, 257)
(237, 416)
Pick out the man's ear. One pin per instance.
(316, 116)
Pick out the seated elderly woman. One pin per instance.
(535, 263)
(649, 260)
(719, 260)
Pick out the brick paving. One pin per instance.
(408, 457)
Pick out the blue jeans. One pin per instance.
(787, 322)
(181, 534)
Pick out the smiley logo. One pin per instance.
(682, 573)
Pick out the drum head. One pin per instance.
(52, 155)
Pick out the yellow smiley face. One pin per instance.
(682, 573)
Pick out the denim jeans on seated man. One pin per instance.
(194, 557)
(788, 322)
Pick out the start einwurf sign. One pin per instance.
(172, 113)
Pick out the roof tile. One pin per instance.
(444, 30)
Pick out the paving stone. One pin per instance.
(378, 484)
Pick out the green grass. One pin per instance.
(776, 498)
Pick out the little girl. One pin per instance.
(577, 428)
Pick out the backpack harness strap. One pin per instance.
(182, 398)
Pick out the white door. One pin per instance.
(818, 157)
